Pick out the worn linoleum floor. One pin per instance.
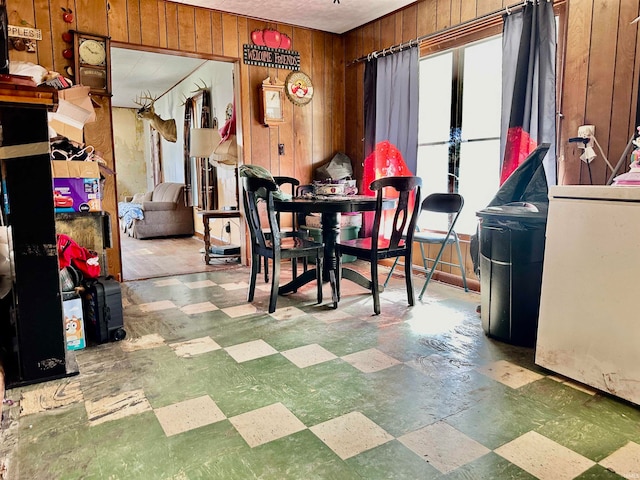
(208, 386)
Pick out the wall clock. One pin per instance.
(272, 102)
(92, 62)
(299, 88)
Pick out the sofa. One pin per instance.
(163, 213)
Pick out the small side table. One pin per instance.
(208, 215)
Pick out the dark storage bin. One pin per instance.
(511, 256)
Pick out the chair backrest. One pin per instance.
(294, 182)
(254, 190)
(443, 203)
(405, 214)
(450, 203)
(303, 190)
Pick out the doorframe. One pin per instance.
(237, 86)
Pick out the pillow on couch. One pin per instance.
(137, 198)
(142, 197)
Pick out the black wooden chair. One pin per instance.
(280, 181)
(273, 243)
(449, 204)
(399, 244)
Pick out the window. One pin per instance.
(459, 126)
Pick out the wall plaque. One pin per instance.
(263, 56)
(24, 32)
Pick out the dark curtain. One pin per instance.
(528, 97)
(396, 111)
(370, 77)
(391, 119)
(528, 87)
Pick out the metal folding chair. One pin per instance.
(446, 204)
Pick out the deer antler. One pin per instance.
(139, 102)
(148, 99)
(185, 99)
(200, 88)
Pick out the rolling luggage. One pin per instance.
(103, 310)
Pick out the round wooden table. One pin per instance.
(329, 206)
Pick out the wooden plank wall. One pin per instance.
(311, 135)
(600, 73)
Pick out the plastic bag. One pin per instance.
(339, 167)
(256, 171)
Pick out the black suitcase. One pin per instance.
(103, 310)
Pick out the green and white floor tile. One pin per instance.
(208, 386)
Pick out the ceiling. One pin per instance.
(158, 73)
(134, 73)
(336, 16)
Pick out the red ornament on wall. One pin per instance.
(285, 41)
(271, 38)
(67, 15)
(257, 37)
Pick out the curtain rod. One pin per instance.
(416, 41)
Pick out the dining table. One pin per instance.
(329, 206)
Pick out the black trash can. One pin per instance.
(511, 241)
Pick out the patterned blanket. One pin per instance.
(128, 211)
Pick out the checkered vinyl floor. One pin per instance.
(208, 386)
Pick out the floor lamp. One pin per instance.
(207, 143)
(203, 142)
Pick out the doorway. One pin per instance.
(169, 80)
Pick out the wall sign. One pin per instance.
(298, 88)
(263, 56)
(24, 32)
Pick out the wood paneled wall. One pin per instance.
(311, 135)
(599, 80)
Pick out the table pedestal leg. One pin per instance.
(330, 235)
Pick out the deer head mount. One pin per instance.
(166, 128)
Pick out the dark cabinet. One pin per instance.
(33, 340)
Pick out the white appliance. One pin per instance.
(589, 322)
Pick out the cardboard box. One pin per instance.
(74, 110)
(76, 186)
(79, 96)
(74, 324)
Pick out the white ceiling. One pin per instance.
(326, 15)
(135, 72)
